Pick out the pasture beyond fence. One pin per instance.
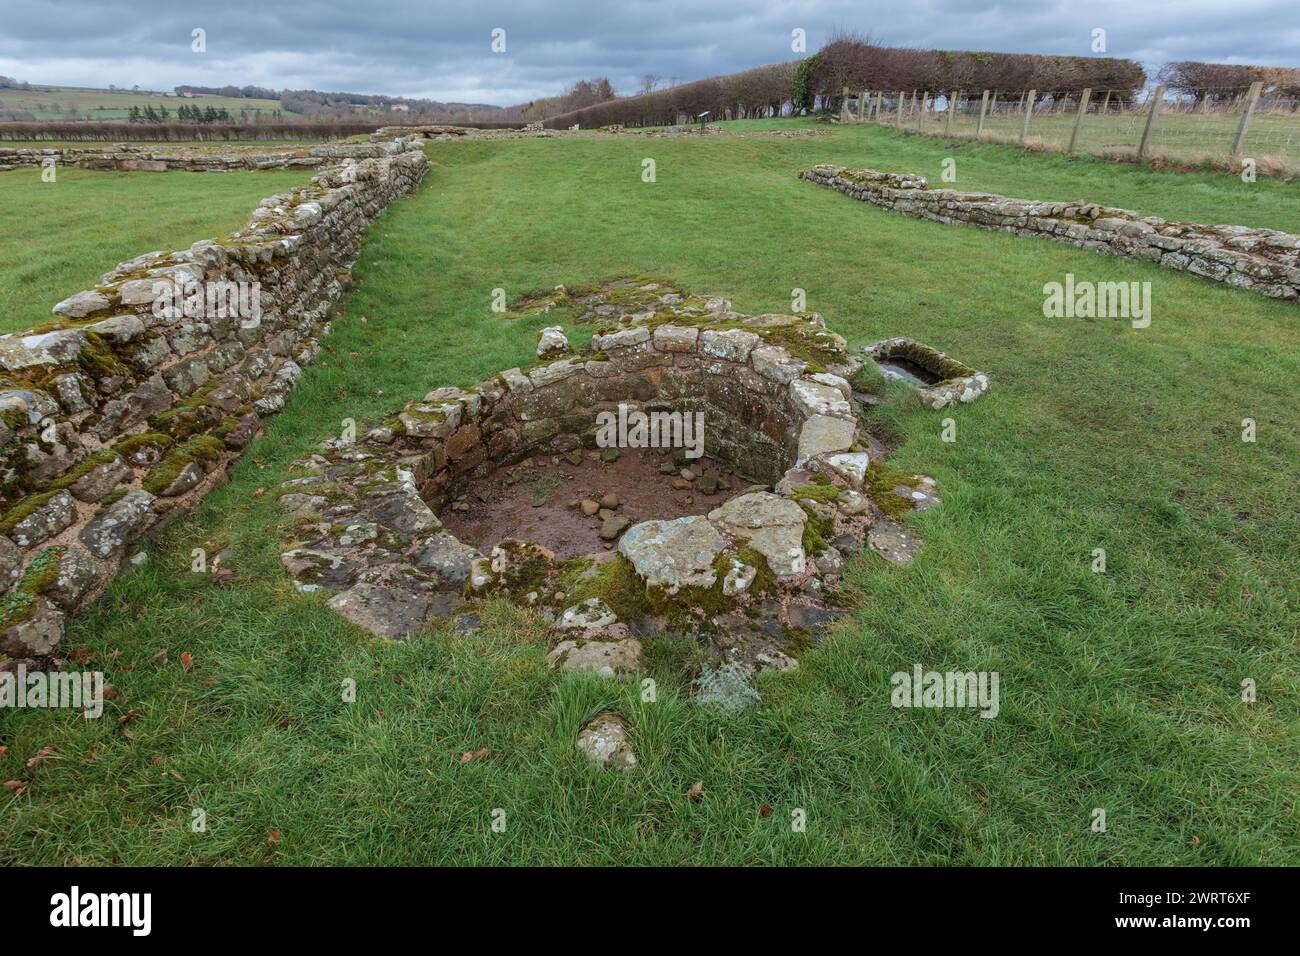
(71, 131)
(1227, 131)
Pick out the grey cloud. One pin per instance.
(441, 50)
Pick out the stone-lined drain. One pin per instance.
(744, 548)
(938, 379)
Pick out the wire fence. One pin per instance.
(1222, 127)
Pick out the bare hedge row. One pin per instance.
(1223, 81)
(757, 92)
(862, 65)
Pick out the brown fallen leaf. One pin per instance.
(16, 787)
(113, 655)
(3, 750)
(765, 810)
(187, 660)
(161, 657)
(696, 791)
(82, 655)
(42, 755)
(468, 755)
(273, 837)
(129, 716)
(258, 492)
(222, 576)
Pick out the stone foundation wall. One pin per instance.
(777, 404)
(115, 418)
(1262, 260)
(159, 159)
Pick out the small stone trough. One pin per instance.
(751, 574)
(939, 380)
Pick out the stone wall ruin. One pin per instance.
(779, 406)
(114, 418)
(1262, 260)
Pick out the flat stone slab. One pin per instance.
(388, 612)
(822, 435)
(892, 543)
(772, 525)
(606, 658)
(675, 553)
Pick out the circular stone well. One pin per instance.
(749, 560)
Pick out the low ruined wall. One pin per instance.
(119, 414)
(1263, 260)
(774, 398)
(159, 159)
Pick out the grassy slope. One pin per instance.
(1118, 690)
(114, 104)
(90, 221)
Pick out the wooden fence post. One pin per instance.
(984, 108)
(1239, 142)
(952, 107)
(900, 110)
(1105, 103)
(880, 101)
(844, 104)
(1029, 111)
(862, 107)
(1078, 120)
(1156, 97)
(920, 114)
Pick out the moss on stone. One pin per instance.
(200, 448)
(82, 468)
(133, 443)
(23, 509)
(816, 530)
(98, 360)
(187, 418)
(618, 585)
(819, 490)
(880, 482)
(43, 571)
(764, 579)
(15, 608)
(801, 342)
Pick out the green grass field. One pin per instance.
(90, 221)
(69, 102)
(1118, 691)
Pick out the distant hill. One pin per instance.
(35, 101)
(44, 102)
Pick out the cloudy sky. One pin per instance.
(442, 50)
